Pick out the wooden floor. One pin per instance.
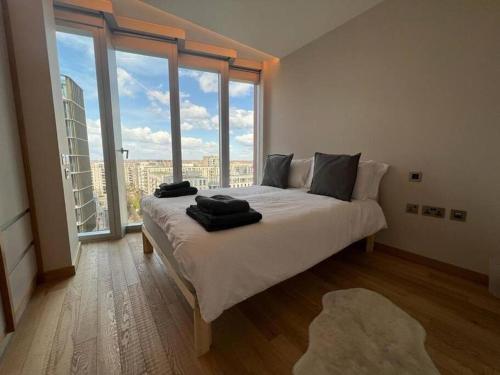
(122, 314)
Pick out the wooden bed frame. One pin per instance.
(202, 329)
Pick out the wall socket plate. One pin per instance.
(433, 211)
(458, 215)
(415, 176)
(412, 208)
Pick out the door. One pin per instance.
(146, 92)
(86, 163)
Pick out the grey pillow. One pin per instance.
(276, 170)
(334, 175)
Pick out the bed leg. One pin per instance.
(146, 245)
(370, 242)
(202, 333)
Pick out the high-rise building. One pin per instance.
(79, 156)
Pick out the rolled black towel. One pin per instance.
(219, 222)
(175, 185)
(160, 193)
(221, 204)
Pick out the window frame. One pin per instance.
(253, 77)
(152, 47)
(201, 63)
(107, 42)
(93, 27)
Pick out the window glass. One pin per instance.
(85, 160)
(241, 133)
(199, 115)
(144, 95)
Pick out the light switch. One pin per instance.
(415, 176)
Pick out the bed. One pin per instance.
(217, 270)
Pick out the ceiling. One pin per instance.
(257, 29)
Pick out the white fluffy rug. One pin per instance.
(362, 332)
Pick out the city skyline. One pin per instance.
(142, 177)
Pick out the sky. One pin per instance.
(143, 87)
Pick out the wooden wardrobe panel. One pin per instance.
(15, 240)
(21, 282)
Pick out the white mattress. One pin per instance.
(298, 230)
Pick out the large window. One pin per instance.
(200, 126)
(144, 96)
(139, 113)
(84, 161)
(241, 133)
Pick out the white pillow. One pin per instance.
(380, 171)
(300, 169)
(370, 174)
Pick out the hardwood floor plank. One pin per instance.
(108, 349)
(183, 358)
(155, 358)
(20, 343)
(86, 326)
(132, 359)
(60, 361)
(128, 264)
(84, 360)
(39, 352)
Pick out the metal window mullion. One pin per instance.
(108, 132)
(256, 133)
(259, 131)
(175, 117)
(224, 125)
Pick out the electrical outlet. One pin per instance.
(412, 208)
(458, 215)
(415, 176)
(433, 211)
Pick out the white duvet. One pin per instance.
(297, 231)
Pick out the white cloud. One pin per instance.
(240, 118)
(126, 83)
(183, 72)
(145, 135)
(80, 43)
(191, 142)
(162, 97)
(194, 116)
(137, 63)
(237, 89)
(145, 143)
(95, 139)
(195, 148)
(209, 82)
(245, 139)
(186, 126)
(193, 111)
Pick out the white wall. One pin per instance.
(415, 84)
(33, 32)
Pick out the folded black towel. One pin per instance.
(218, 222)
(175, 185)
(221, 204)
(160, 193)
